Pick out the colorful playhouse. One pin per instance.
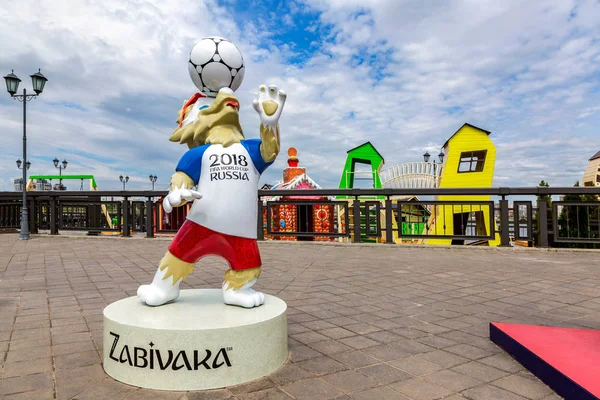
(469, 163)
(313, 216)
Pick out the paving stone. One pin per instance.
(350, 381)
(412, 346)
(215, 394)
(107, 388)
(379, 393)
(384, 373)
(302, 352)
(416, 366)
(289, 373)
(337, 333)
(445, 359)
(482, 372)
(22, 368)
(362, 328)
(322, 365)
(76, 360)
(385, 353)
(28, 354)
(145, 394)
(418, 389)
(70, 348)
(489, 392)
(330, 347)
(318, 325)
(308, 337)
(311, 389)
(503, 362)
(42, 394)
(25, 383)
(468, 351)
(529, 388)
(253, 386)
(70, 382)
(268, 394)
(29, 343)
(452, 380)
(34, 333)
(355, 359)
(359, 342)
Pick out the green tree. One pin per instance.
(579, 221)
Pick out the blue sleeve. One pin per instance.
(253, 148)
(191, 163)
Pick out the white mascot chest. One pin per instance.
(228, 183)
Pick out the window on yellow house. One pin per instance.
(472, 161)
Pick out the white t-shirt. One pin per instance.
(227, 178)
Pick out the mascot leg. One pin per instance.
(243, 257)
(165, 285)
(178, 262)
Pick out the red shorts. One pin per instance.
(194, 241)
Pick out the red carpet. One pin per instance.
(566, 359)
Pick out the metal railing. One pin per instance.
(576, 222)
(382, 215)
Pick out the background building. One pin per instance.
(591, 176)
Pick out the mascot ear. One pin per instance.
(188, 104)
(181, 114)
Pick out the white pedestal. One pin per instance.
(195, 343)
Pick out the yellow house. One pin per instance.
(591, 176)
(469, 163)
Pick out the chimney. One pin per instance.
(292, 170)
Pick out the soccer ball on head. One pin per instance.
(215, 63)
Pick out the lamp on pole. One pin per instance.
(124, 180)
(12, 84)
(426, 156)
(26, 166)
(60, 167)
(153, 179)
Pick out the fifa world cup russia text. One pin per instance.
(227, 166)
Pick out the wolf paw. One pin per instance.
(269, 104)
(160, 291)
(247, 298)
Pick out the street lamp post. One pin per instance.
(60, 167)
(12, 84)
(124, 180)
(153, 179)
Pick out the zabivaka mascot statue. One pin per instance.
(220, 175)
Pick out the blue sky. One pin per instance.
(402, 74)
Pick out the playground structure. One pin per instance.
(413, 175)
(41, 184)
(469, 163)
(365, 154)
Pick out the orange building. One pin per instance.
(316, 216)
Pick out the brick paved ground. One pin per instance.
(365, 322)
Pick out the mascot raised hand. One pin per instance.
(220, 174)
